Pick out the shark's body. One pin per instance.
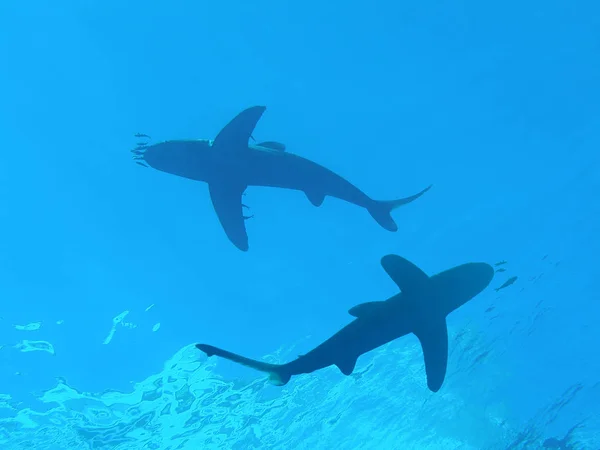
(421, 308)
(229, 164)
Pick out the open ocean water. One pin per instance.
(110, 272)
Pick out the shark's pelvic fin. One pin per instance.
(434, 341)
(367, 309)
(272, 145)
(381, 210)
(408, 277)
(235, 135)
(346, 365)
(277, 374)
(316, 198)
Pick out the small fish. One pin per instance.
(490, 309)
(500, 263)
(501, 269)
(141, 164)
(481, 356)
(507, 283)
(140, 135)
(141, 144)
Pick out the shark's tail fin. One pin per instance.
(277, 373)
(381, 210)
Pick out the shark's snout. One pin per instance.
(184, 158)
(158, 156)
(461, 283)
(474, 278)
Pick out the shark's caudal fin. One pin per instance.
(277, 373)
(381, 210)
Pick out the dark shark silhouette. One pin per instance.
(229, 165)
(421, 308)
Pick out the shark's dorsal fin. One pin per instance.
(235, 135)
(272, 145)
(405, 274)
(366, 309)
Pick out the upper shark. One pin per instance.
(420, 308)
(229, 164)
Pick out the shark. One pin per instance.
(421, 308)
(229, 163)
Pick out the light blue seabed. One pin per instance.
(110, 273)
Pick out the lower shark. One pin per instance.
(229, 164)
(420, 308)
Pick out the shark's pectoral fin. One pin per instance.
(316, 198)
(272, 145)
(235, 135)
(346, 365)
(405, 274)
(434, 341)
(366, 309)
(227, 201)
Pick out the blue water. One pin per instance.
(109, 273)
